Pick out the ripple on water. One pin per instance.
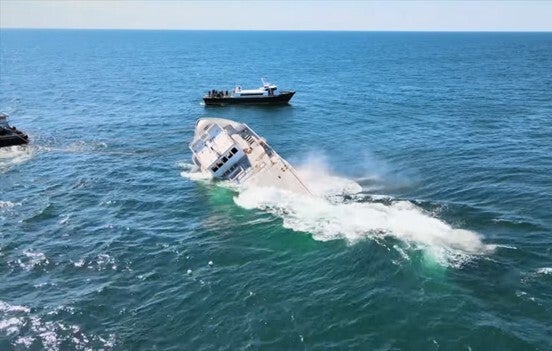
(95, 214)
(31, 260)
(28, 328)
(99, 262)
(8, 204)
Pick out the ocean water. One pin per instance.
(430, 154)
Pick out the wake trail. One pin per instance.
(11, 156)
(340, 209)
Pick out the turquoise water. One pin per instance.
(430, 154)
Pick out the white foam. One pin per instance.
(40, 285)
(14, 155)
(503, 247)
(353, 221)
(191, 172)
(544, 270)
(13, 151)
(11, 325)
(5, 307)
(26, 341)
(12, 317)
(64, 219)
(82, 146)
(103, 262)
(79, 263)
(8, 204)
(402, 252)
(322, 182)
(328, 217)
(32, 259)
(50, 334)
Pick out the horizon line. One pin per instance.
(292, 30)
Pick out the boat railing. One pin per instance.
(216, 94)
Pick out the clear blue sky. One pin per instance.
(280, 15)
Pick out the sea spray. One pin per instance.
(320, 180)
(340, 209)
(354, 221)
(191, 171)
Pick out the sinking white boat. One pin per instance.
(232, 151)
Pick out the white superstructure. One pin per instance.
(231, 150)
(266, 90)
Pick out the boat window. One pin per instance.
(198, 145)
(214, 169)
(213, 131)
(234, 150)
(229, 171)
(224, 159)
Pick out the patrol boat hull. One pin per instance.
(13, 139)
(279, 99)
(10, 136)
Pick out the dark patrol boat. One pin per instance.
(10, 136)
(264, 95)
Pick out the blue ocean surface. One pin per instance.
(430, 154)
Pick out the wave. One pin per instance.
(353, 221)
(25, 329)
(32, 259)
(11, 156)
(190, 171)
(341, 210)
(322, 182)
(545, 270)
(83, 146)
(99, 262)
(14, 155)
(8, 204)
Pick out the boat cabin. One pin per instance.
(266, 90)
(218, 150)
